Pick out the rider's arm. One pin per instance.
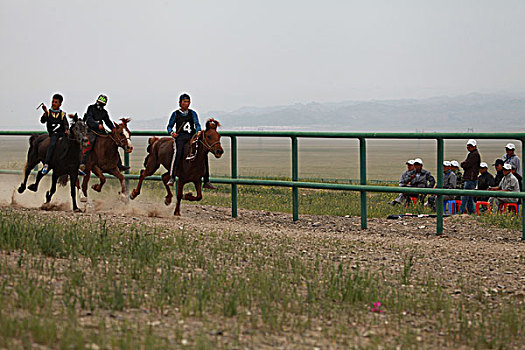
(196, 121)
(43, 118)
(171, 123)
(108, 121)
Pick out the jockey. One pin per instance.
(96, 116)
(186, 124)
(57, 126)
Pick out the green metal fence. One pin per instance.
(363, 188)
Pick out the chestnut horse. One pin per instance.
(64, 161)
(191, 169)
(104, 157)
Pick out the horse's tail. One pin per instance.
(151, 142)
(62, 180)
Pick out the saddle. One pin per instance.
(194, 148)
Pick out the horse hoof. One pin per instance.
(96, 188)
(133, 195)
(77, 210)
(32, 187)
(21, 189)
(176, 214)
(83, 199)
(167, 201)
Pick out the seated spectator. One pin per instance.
(498, 166)
(511, 158)
(508, 183)
(459, 176)
(449, 181)
(485, 180)
(420, 178)
(404, 180)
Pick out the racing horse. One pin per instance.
(104, 157)
(193, 164)
(64, 161)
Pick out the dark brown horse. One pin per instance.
(191, 169)
(64, 161)
(104, 157)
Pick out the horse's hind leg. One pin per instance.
(180, 188)
(98, 172)
(85, 182)
(34, 187)
(169, 196)
(53, 189)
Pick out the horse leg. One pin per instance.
(53, 189)
(98, 172)
(169, 196)
(34, 187)
(180, 188)
(73, 181)
(190, 197)
(85, 182)
(27, 170)
(120, 177)
(143, 173)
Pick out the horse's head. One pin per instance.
(122, 135)
(78, 130)
(212, 139)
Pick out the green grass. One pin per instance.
(127, 277)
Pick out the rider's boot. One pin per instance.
(209, 186)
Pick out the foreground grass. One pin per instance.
(98, 285)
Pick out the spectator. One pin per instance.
(508, 183)
(404, 180)
(471, 168)
(517, 176)
(459, 176)
(511, 158)
(449, 181)
(498, 166)
(421, 178)
(485, 180)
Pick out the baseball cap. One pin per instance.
(410, 162)
(446, 163)
(454, 163)
(499, 162)
(472, 142)
(510, 146)
(418, 161)
(507, 166)
(483, 165)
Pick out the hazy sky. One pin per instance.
(229, 54)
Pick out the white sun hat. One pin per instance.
(446, 163)
(418, 161)
(410, 162)
(510, 146)
(454, 163)
(483, 165)
(472, 142)
(507, 166)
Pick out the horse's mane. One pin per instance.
(212, 124)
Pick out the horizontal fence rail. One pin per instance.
(363, 187)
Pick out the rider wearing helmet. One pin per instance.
(186, 123)
(96, 116)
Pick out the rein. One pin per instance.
(118, 142)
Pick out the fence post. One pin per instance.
(233, 158)
(362, 180)
(126, 163)
(523, 182)
(295, 177)
(439, 202)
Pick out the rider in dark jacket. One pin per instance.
(96, 116)
(186, 123)
(56, 124)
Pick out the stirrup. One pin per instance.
(191, 156)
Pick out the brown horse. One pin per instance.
(64, 161)
(191, 169)
(104, 157)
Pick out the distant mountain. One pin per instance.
(477, 112)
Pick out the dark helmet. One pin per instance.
(184, 97)
(102, 99)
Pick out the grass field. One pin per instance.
(100, 284)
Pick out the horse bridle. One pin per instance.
(207, 145)
(118, 141)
